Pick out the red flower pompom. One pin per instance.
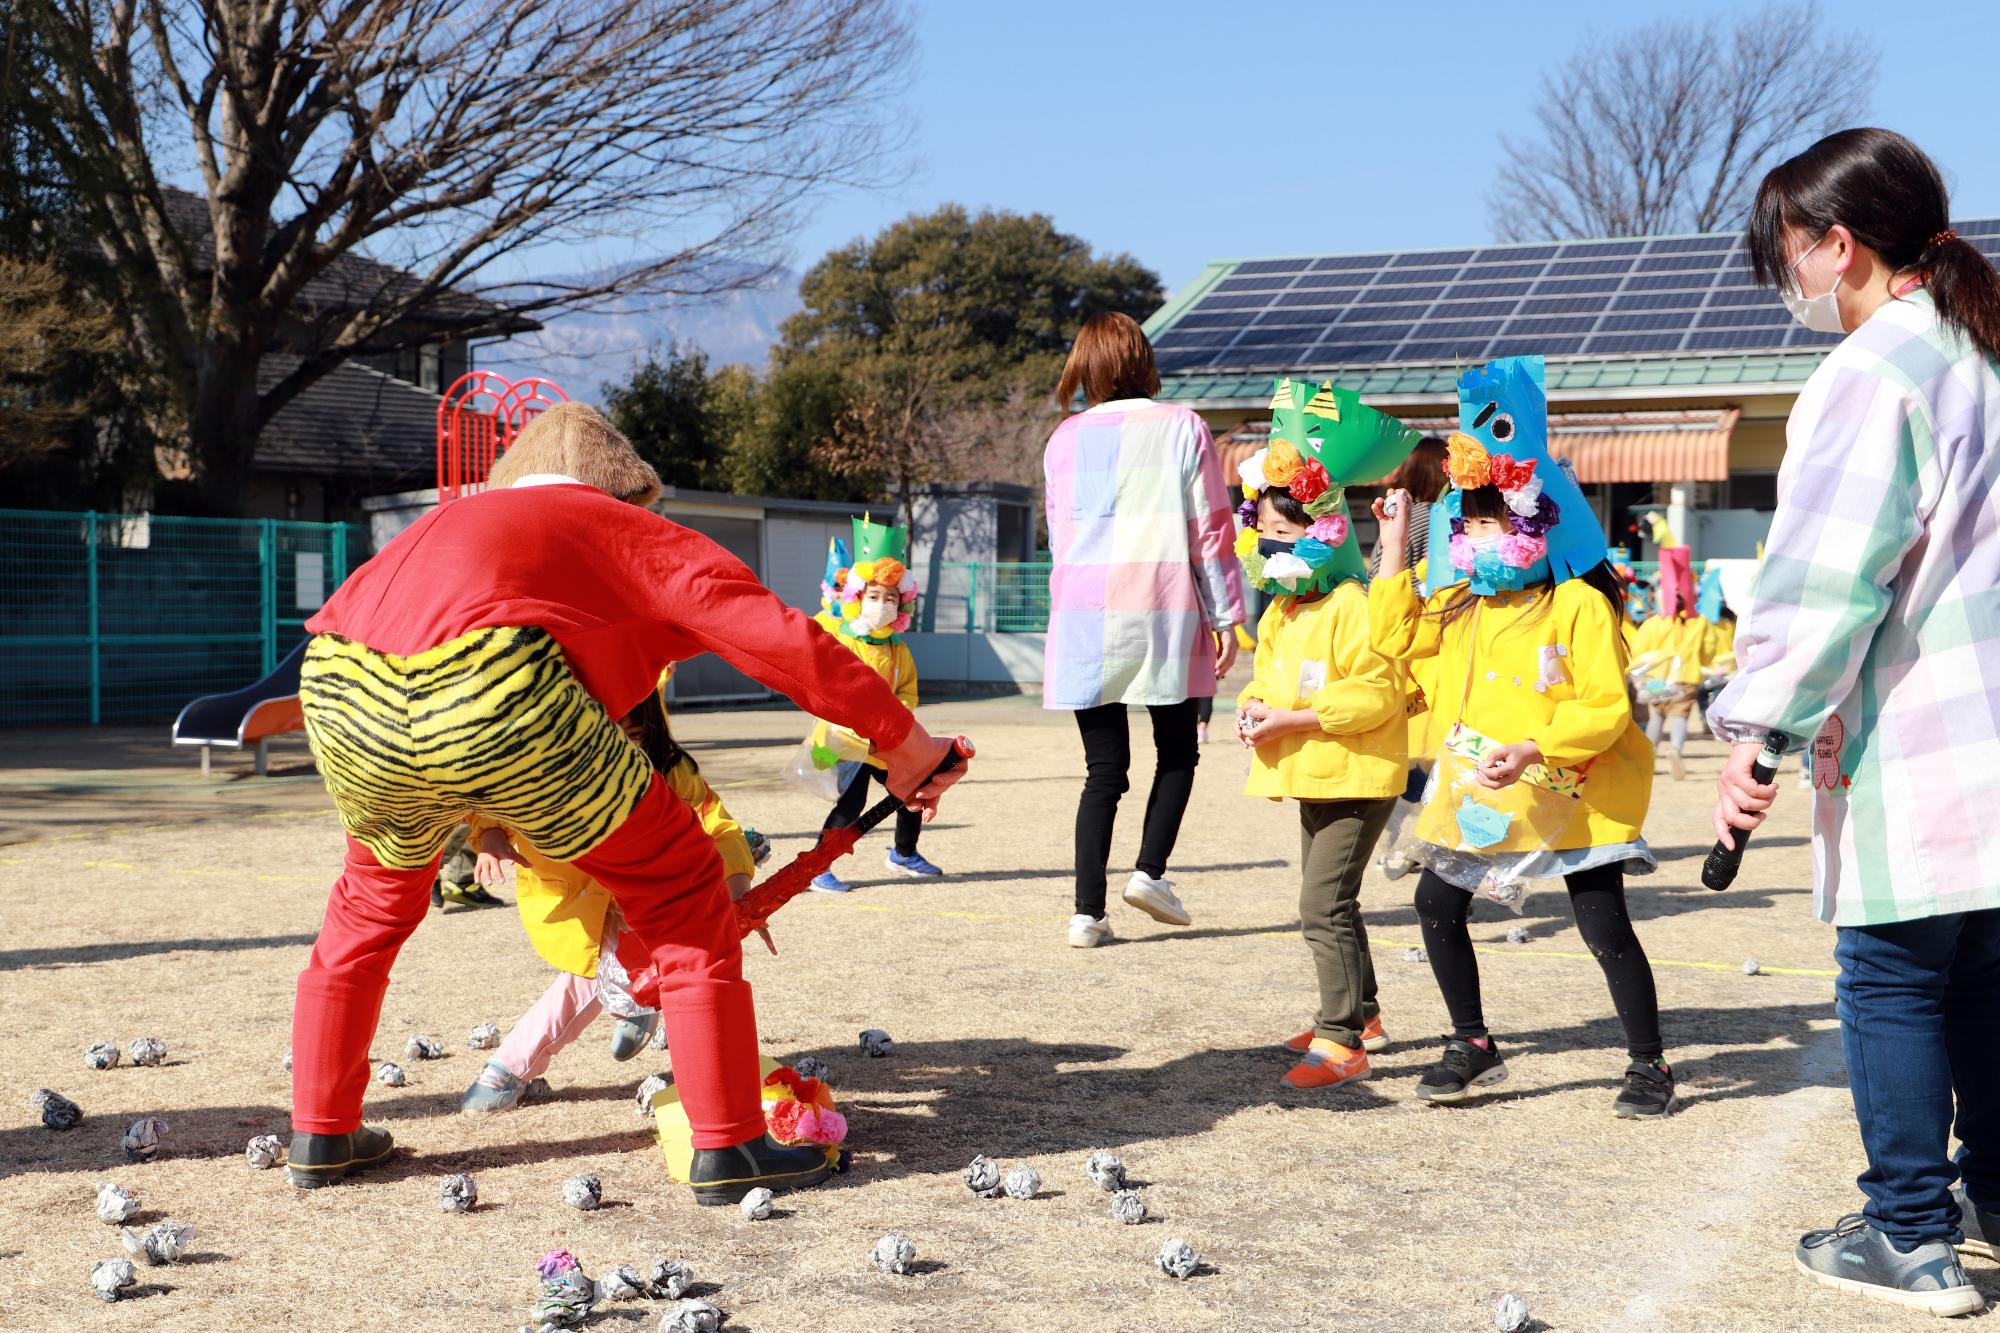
(782, 1076)
(1310, 482)
(1511, 473)
(783, 1117)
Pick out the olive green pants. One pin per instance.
(1336, 838)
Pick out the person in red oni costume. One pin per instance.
(475, 666)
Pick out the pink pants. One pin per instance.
(553, 1022)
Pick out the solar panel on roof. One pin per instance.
(1592, 297)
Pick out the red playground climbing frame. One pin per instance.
(477, 419)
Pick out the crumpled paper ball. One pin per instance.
(161, 1243)
(567, 1292)
(101, 1055)
(146, 1051)
(649, 1087)
(1128, 1207)
(1751, 967)
(538, 1090)
(1107, 1171)
(876, 1043)
(58, 1111)
(422, 1047)
(1510, 1314)
(264, 1152)
(115, 1203)
(809, 1066)
(1023, 1182)
(1177, 1258)
(691, 1317)
(584, 1192)
(622, 1283)
(1415, 955)
(893, 1253)
(658, 1041)
(142, 1142)
(982, 1177)
(1517, 934)
(756, 1205)
(669, 1279)
(485, 1037)
(288, 1059)
(458, 1193)
(112, 1277)
(390, 1075)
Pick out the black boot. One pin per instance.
(725, 1175)
(321, 1159)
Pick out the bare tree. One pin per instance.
(1669, 127)
(367, 165)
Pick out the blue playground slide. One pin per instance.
(251, 715)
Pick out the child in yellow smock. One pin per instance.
(1530, 679)
(1323, 713)
(574, 925)
(867, 603)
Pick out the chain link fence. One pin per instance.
(124, 617)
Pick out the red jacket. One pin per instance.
(623, 590)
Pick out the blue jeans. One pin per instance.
(1919, 1005)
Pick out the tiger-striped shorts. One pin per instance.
(492, 723)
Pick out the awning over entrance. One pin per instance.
(1601, 446)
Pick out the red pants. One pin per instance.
(667, 879)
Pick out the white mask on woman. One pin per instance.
(1821, 314)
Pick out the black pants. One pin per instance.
(1107, 759)
(855, 796)
(1597, 897)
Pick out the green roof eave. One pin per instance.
(1656, 376)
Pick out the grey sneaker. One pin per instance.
(496, 1089)
(1981, 1228)
(1854, 1257)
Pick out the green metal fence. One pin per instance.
(988, 597)
(124, 618)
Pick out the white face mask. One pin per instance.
(875, 617)
(1821, 314)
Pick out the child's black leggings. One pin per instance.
(1597, 897)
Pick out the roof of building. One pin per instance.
(350, 282)
(355, 423)
(1623, 317)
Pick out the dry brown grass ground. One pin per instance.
(1355, 1209)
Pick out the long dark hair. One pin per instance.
(656, 739)
(1422, 473)
(1881, 187)
(1487, 502)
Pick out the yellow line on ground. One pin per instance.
(1508, 951)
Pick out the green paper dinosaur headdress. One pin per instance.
(1323, 440)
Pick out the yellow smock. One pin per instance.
(1546, 666)
(1317, 655)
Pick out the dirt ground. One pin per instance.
(134, 902)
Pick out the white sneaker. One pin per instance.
(1087, 932)
(1155, 897)
(1395, 865)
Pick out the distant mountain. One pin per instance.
(581, 352)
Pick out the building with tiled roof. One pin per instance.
(1670, 373)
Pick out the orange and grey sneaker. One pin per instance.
(1373, 1038)
(1328, 1065)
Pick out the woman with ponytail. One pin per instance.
(1873, 635)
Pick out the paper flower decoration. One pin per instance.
(1251, 473)
(1519, 552)
(1282, 462)
(1246, 542)
(1467, 463)
(1509, 474)
(1310, 482)
(1331, 529)
(1284, 567)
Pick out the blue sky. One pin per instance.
(1184, 131)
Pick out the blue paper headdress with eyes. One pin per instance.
(1502, 441)
(837, 562)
